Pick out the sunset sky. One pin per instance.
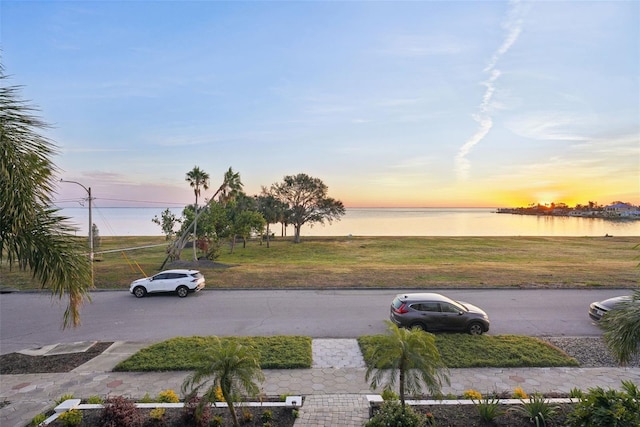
(390, 103)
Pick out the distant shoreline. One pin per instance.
(603, 214)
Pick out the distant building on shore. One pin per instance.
(616, 210)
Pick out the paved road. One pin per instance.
(31, 320)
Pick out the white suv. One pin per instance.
(181, 282)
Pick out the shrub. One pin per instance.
(472, 395)
(388, 394)
(295, 413)
(157, 413)
(218, 395)
(119, 411)
(247, 416)
(391, 414)
(216, 421)
(488, 408)
(71, 418)
(196, 412)
(38, 419)
(576, 393)
(64, 397)
(168, 396)
(537, 409)
(95, 400)
(519, 393)
(266, 416)
(146, 398)
(604, 408)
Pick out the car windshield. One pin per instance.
(459, 305)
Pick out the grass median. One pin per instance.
(379, 262)
(289, 352)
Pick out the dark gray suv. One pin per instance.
(435, 312)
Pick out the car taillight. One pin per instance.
(402, 309)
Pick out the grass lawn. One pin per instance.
(289, 352)
(381, 262)
(185, 353)
(501, 351)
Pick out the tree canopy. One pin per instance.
(307, 201)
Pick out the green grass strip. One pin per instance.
(501, 351)
(183, 353)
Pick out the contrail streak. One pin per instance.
(513, 26)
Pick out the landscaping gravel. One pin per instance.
(590, 352)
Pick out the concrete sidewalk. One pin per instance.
(334, 387)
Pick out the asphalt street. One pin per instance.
(32, 320)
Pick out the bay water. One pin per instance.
(379, 222)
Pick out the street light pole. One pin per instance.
(88, 190)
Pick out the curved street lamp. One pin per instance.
(88, 190)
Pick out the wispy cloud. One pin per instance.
(513, 26)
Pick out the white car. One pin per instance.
(181, 282)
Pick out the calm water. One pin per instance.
(381, 222)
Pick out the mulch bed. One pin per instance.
(467, 416)
(248, 417)
(16, 363)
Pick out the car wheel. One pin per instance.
(182, 291)
(139, 292)
(475, 328)
(418, 325)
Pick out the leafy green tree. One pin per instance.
(307, 201)
(32, 234)
(272, 210)
(197, 179)
(410, 357)
(230, 186)
(167, 222)
(229, 366)
(622, 329)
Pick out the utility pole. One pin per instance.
(88, 190)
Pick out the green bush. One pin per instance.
(95, 400)
(391, 414)
(38, 419)
(388, 394)
(71, 418)
(606, 408)
(537, 409)
(64, 397)
(488, 408)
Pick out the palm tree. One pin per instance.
(32, 234)
(622, 329)
(409, 356)
(229, 366)
(197, 178)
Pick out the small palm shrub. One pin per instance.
(604, 408)
(71, 418)
(391, 414)
(247, 416)
(519, 393)
(119, 411)
(537, 409)
(216, 421)
(472, 395)
(168, 396)
(488, 408)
